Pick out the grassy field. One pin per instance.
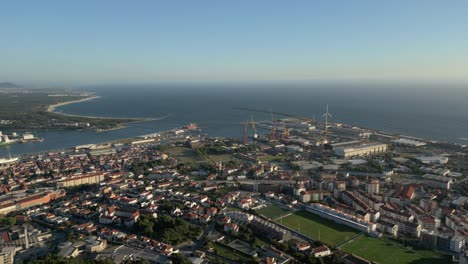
(222, 157)
(273, 211)
(270, 158)
(388, 252)
(185, 154)
(315, 227)
(189, 155)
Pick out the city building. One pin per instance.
(10, 203)
(387, 227)
(404, 227)
(313, 195)
(352, 200)
(322, 251)
(436, 181)
(372, 186)
(457, 243)
(92, 178)
(361, 150)
(7, 255)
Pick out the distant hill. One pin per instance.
(8, 85)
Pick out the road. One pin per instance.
(207, 231)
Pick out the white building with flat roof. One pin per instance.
(360, 150)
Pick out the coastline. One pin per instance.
(52, 109)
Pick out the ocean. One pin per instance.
(430, 111)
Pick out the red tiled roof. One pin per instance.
(4, 237)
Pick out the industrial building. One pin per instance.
(360, 150)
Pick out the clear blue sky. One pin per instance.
(84, 42)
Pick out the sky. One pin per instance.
(86, 42)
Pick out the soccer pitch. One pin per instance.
(385, 251)
(319, 228)
(273, 211)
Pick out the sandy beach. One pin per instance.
(52, 108)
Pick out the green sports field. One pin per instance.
(314, 226)
(385, 251)
(273, 211)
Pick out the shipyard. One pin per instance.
(234, 132)
(378, 186)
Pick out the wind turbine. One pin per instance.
(326, 116)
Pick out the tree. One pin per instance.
(172, 236)
(179, 259)
(144, 225)
(218, 261)
(7, 221)
(54, 259)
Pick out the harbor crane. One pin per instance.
(255, 135)
(245, 138)
(285, 130)
(273, 125)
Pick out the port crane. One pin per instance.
(244, 138)
(255, 135)
(273, 125)
(285, 130)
